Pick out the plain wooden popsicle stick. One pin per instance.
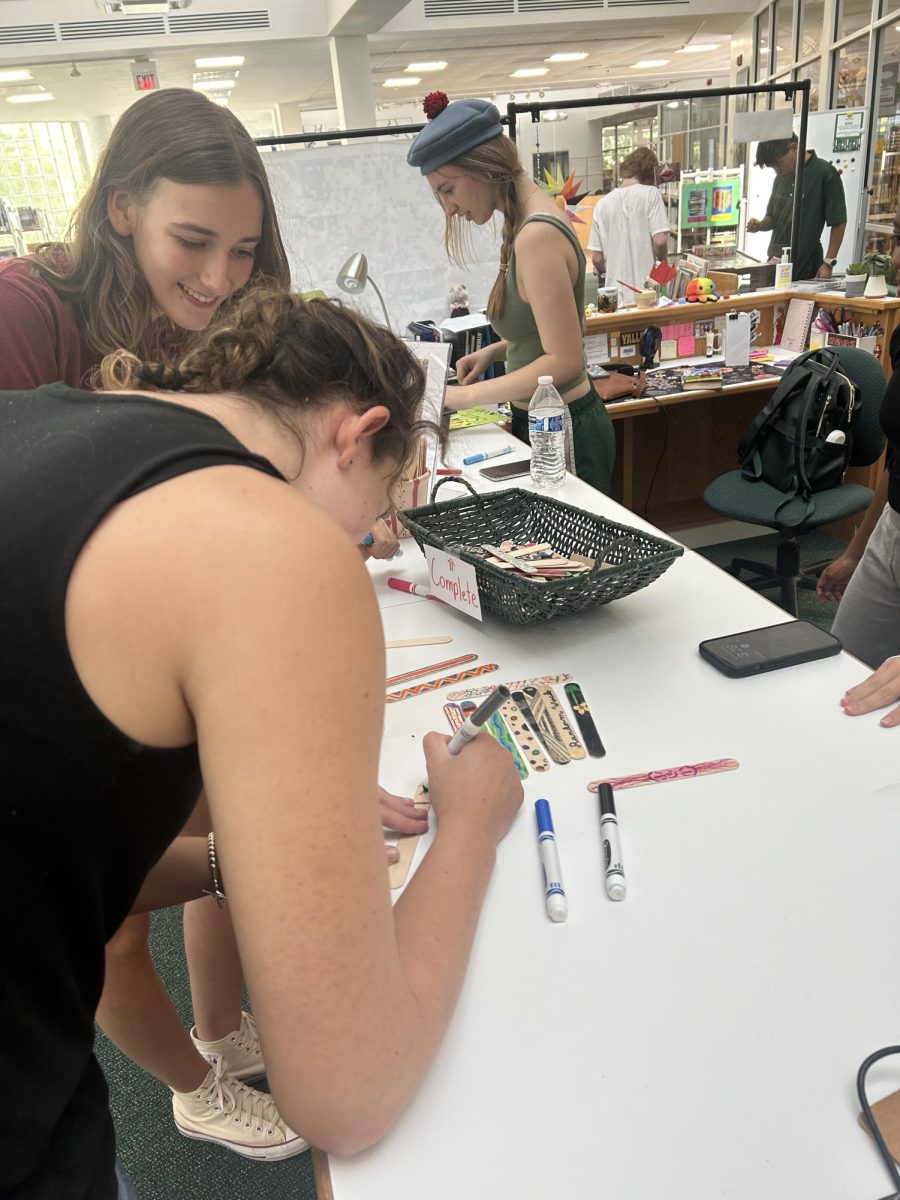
(422, 641)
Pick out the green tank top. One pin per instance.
(517, 325)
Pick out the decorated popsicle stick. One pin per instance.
(422, 641)
(553, 746)
(550, 735)
(558, 715)
(582, 712)
(406, 845)
(499, 732)
(517, 684)
(667, 774)
(453, 713)
(417, 672)
(419, 689)
(528, 743)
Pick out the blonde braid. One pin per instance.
(511, 216)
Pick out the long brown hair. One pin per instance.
(290, 356)
(176, 134)
(494, 161)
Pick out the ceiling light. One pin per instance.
(425, 66)
(403, 81)
(698, 48)
(213, 85)
(673, 104)
(29, 97)
(528, 72)
(140, 8)
(15, 76)
(218, 64)
(651, 62)
(568, 56)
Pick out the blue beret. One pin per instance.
(460, 127)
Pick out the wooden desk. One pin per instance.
(667, 459)
(705, 1032)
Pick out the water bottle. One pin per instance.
(546, 432)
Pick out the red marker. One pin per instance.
(416, 589)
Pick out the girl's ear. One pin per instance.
(356, 427)
(121, 210)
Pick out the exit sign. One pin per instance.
(144, 76)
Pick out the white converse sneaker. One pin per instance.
(239, 1118)
(240, 1050)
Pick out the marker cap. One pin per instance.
(544, 818)
(607, 803)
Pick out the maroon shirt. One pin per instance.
(42, 339)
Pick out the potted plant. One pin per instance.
(880, 271)
(855, 279)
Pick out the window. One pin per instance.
(853, 15)
(812, 72)
(761, 40)
(812, 13)
(851, 74)
(784, 35)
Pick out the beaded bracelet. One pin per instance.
(215, 888)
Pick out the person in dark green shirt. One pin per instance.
(823, 204)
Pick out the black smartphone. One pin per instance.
(507, 470)
(769, 649)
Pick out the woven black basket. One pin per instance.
(461, 526)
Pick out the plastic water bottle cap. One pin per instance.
(545, 379)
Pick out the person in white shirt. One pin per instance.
(630, 227)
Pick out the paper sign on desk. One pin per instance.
(453, 581)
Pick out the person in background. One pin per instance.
(536, 305)
(823, 205)
(630, 226)
(156, 634)
(866, 577)
(169, 233)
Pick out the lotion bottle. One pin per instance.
(784, 270)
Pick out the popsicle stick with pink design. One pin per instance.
(667, 774)
(453, 713)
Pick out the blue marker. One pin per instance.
(485, 454)
(553, 884)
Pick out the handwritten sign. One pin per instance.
(453, 581)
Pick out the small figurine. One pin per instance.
(459, 300)
(700, 290)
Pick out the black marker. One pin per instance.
(612, 851)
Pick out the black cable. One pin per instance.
(870, 1120)
(660, 408)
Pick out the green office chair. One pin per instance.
(758, 502)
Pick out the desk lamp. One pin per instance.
(353, 277)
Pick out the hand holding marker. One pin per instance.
(471, 726)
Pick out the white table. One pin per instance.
(701, 1039)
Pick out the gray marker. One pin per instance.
(471, 726)
(612, 851)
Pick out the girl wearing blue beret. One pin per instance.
(536, 303)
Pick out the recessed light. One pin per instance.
(213, 85)
(403, 81)
(528, 72)
(651, 62)
(15, 76)
(218, 64)
(425, 66)
(29, 97)
(568, 56)
(698, 48)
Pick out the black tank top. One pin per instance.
(84, 810)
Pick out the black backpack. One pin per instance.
(802, 440)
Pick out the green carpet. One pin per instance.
(162, 1163)
(814, 547)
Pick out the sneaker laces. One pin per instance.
(245, 1105)
(247, 1037)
